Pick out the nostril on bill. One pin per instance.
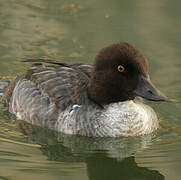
(150, 92)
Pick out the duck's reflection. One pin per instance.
(106, 158)
(101, 167)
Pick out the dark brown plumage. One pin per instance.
(107, 84)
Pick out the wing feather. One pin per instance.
(62, 85)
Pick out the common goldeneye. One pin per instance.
(97, 100)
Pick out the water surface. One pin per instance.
(72, 31)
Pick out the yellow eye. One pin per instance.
(121, 68)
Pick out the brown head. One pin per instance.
(120, 73)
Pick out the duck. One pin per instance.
(99, 100)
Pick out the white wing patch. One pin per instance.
(18, 115)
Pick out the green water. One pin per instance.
(74, 31)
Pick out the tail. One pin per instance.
(3, 84)
(46, 61)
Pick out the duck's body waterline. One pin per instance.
(84, 99)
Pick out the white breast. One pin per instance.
(117, 119)
(129, 119)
